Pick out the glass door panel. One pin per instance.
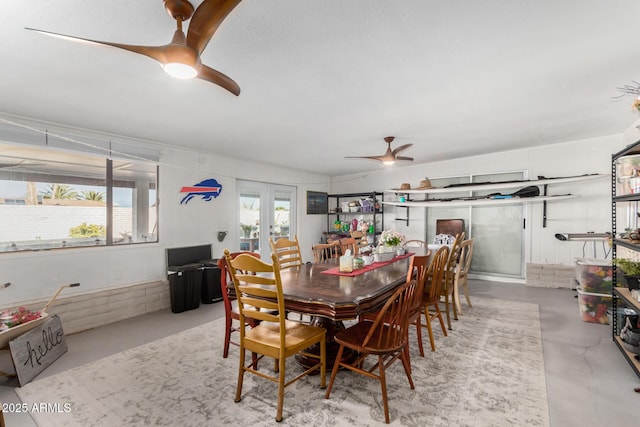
(266, 210)
(498, 231)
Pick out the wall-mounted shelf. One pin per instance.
(500, 185)
(480, 202)
(486, 201)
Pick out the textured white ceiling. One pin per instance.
(326, 79)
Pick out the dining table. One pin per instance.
(331, 299)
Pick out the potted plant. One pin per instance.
(631, 271)
(246, 230)
(390, 240)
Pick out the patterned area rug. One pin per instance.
(489, 371)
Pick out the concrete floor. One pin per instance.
(589, 383)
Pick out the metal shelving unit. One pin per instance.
(621, 294)
(378, 199)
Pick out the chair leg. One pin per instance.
(419, 333)
(323, 361)
(405, 352)
(383, 384)
(336, 366)
(407, 367)
(466, 291)
(446, 306)
(454, 309)
(439, 314)
(281, 373)
(456, 297)
(428, 316)
(227, 336)
(240, 375)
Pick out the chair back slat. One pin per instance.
(226, 282)
(415, 243)
(389, 329)
(452, 261)
(466, 253)
(418, 271)
(361, 239)
(259, 293)
(348, 243)
(436, 274)
(323, 252)
(287, 251)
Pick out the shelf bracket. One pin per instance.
(406, 220)
(544, 207)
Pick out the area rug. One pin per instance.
(489, 371)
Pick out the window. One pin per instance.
(55, 199)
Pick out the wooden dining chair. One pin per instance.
(462, 272)
(231, 312)
(417, 271)
(325, 252)
(431, 296)
(415, 243)
(361, 239)
(287, 251)
(348, 243)
(450, 274)
(384, 338)
(259, 291)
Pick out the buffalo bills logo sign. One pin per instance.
(208, 189)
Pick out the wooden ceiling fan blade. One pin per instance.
(401, 148)
(153, 52)
(222, 80)
(206, 20)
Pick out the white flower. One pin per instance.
(391, 238)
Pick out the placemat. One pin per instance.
(336, 270)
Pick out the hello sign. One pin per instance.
(33, 351)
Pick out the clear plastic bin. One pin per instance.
(593, 306)
(594, 275)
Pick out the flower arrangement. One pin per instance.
(9, 319)
(391, 238)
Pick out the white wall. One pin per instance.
(36, 275)
(590, 212)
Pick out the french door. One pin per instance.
(265, 210)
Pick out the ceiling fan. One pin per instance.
(390, 157)
(181, 57)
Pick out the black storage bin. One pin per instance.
(211, 291)
(185, 286)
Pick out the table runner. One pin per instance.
(336, 270)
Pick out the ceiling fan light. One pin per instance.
(388, 162)
(181, 61)
(179, 70)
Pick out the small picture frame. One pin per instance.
(317, 203)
